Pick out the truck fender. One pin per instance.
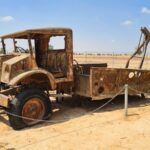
(27, 74)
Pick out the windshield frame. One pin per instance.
(4, 51)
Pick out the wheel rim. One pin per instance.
(34, 109)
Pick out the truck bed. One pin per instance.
(102, 82)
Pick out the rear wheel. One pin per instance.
(31, 103)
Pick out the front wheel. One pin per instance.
(31, 103)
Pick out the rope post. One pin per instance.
(126, 100)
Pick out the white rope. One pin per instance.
(88, 113)
(107, 101)
(137, 90)
(55, 121)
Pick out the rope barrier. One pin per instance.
(88, 113)
(137, 90)
(56, 121)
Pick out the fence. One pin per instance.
(125, 89)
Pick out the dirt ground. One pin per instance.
(71, 129)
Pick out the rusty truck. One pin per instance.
(28, 74)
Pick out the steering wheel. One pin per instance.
(78, 68)
(21, 50)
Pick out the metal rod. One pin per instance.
(59, 95)
(15, 48)
(144, 50)
(126, 100)
(146, 39)
(30, 45)
(4, 47)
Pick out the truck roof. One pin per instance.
(35, 33)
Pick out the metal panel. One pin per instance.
(106, 82)
(82, 85)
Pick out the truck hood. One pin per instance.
(14, 66)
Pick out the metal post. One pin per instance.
(126, 100)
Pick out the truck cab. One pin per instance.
(40, 64)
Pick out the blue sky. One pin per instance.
(107, 26)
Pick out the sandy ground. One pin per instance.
(107, 129)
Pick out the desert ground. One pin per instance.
(72, 127)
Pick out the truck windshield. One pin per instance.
(16, 45)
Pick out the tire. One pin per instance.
(31, 103)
